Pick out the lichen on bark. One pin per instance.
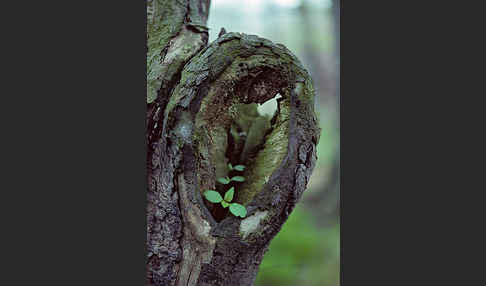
(175, 32)
(199, 98)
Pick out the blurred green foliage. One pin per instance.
(302, 254)
(306, 251)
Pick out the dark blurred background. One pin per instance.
(306, 252)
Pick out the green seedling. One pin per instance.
(235, 208)
(214, 197)
(238, 179)
(224, 181)
(227, 180)
(237, 167)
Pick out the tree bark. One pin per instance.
(194, 93)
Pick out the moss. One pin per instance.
(238, 71)
(166, 21)
(269, 158)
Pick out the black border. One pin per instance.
(74, 151)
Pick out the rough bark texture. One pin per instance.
(199, 92)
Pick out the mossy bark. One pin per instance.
(200, 91)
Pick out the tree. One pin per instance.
(201, 115)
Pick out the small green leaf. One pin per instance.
(224, 181)
(228, 196)
(237, 210)
(213, 196)
(224, 204)
(230, 166)
(239, 167)
(238, 179)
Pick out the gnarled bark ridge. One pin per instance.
(200, 91)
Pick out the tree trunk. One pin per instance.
(195, 93)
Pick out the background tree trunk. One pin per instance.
(195, 93)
